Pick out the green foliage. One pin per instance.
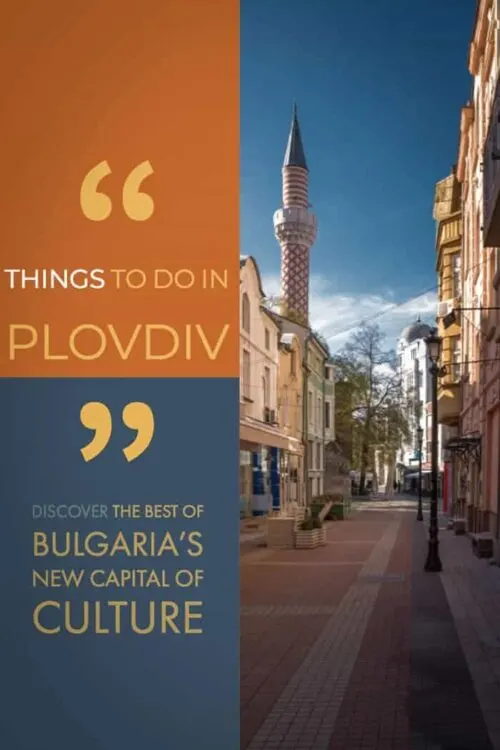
(311, 523)
(370, 408)
(275, 303)
(307, 524)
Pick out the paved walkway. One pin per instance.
(353, 647)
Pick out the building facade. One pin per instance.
(261, 435)
(315, 416)
(478, 447)
(413, 369)
(290, 405)
(447, 214)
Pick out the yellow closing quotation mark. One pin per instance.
(97, 206)
(136, 416)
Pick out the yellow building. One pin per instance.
(290, 409)
(448, 217)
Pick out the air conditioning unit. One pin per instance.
(269, 415)
(444, 308)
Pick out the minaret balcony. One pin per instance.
(295, 224)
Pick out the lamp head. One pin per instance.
(433, 342)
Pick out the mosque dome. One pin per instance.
(415, 332)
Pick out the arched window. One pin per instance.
(245, 312)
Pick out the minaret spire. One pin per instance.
(295, 228)
(294, 154)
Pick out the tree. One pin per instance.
(276, 304)
(374, 410)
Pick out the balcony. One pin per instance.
(491, 176)
(449, 404)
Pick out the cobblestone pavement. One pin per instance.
(353, 647)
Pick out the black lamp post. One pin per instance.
(433, 563)
(420, 437)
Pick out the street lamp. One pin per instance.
(433, 563)
(420, 437)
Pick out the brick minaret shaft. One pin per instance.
(295, 229)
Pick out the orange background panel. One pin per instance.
(124, 82)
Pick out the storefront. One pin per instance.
(292, 475)
(260, 463)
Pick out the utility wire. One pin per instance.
(376, 316)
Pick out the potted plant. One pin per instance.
(310, 534)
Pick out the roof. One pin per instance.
(244, 259)
(416, 331)
(294, 154)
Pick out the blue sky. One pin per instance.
(379, 85)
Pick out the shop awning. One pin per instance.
(251, 433)
(465, 446)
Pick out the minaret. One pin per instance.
(295, 229)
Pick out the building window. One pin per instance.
(456, 355)
(319, 414)
(400, 359)
(327, 415)
(310, 454)
(318, 455)
(245, 312)
(267, 339)
(246, 374)
(414, 353)
(456, 279)
(293, 363)
(310, 407)
(267, 387)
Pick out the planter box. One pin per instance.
(482, 544)
(280, 533)
(310, 539)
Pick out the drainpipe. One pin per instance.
(305, 425)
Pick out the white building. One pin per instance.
(413, 368)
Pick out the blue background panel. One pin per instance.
(120, 692)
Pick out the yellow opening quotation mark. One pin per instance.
(97, 206)
(136, 416)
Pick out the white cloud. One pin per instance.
(333, 313)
